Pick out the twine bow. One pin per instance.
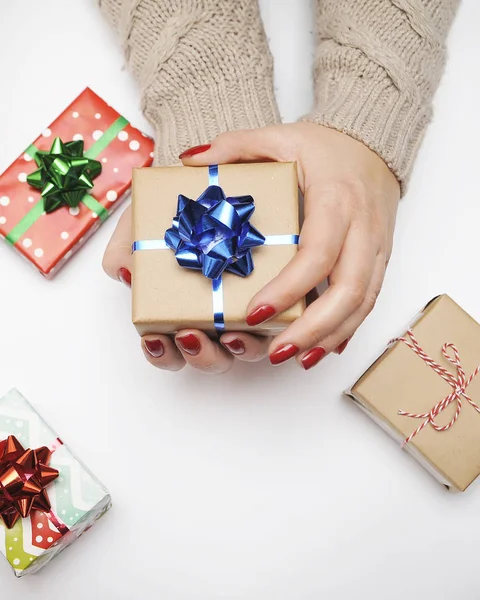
(459, 384)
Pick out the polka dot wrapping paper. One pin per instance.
(76, 496)
(49, 240)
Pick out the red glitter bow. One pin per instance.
(24, 475)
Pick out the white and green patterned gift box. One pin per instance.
(76, 496)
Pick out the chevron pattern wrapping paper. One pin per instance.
(78, 499)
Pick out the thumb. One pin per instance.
(238, 146)
(117, 261)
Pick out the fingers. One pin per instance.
(321, 241)
(245, 347)
(161, 352)
(189, 346)
(350, 281)
(196, 349)
(118, 255)
(239, 146)
(200, 352)
(337, 341)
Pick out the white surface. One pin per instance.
(260, 485)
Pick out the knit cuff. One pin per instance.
(375, 112)
(197, 116)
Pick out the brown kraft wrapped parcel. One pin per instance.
(168, 297)
(425, 392)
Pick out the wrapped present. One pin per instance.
(207, 239)
(424, 390)
(48, 498)
(55, 194)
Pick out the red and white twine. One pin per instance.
(458, 383)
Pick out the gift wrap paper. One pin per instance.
(167, 297)
(76, 496)
(51, 239)
(401, 380)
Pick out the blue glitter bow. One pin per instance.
(213, 234)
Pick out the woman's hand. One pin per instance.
(351, 200)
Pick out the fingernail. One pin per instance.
(195, 150)
(235, 346)
(154, 348)
(260, 314)
(342, 346)
(283, 353)
(313, 357)
(125, 276)
(189, 343)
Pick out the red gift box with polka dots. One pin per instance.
(51, 239)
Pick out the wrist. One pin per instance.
(198, 115)
(388, 122)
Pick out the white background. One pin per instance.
(260, 484)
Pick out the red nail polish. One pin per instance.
(235, 346)
(313, 357)
(260, 314)
(195, 150)
(189, 343)
(154, 348)
(342, 346)
(125, 276)
(283, 353)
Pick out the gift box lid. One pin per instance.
(401, 380)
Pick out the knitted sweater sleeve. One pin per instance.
(204, 67)
(377, 66)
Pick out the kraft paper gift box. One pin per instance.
(86, 191)
(424, 390)
(41, 477)
(168, 297)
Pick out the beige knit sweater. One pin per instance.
(204, 67)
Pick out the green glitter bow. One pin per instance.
(64, 174)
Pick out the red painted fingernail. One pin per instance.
(260, 314)
(195, 150)
(125, 276)
(235, 346)
(283, 353)
(154, 348)
(189, 343)
(342, 346)
(313, 357)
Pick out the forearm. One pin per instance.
(378, 64)
(203, 66)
